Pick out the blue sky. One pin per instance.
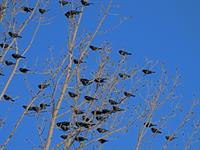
(166, 31)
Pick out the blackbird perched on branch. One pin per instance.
(43, 86)
(14, 35)
(169, 138)
(127, 94)
(27, 9)
(101, 130)
(72, 13)
(149, 124)
(116, 109)
(8, 98)
(102, 141)
(9, 63)
(63, 2)
(42, 11)
(77, 111)
(32, 108)
(100, 80)
(154, 130)
(77, 61)
(86, 82)
(63, 123)
(44, 106)
(124, 76)
(146, 71)
(94, 48)
(89, 98)
(73, 95)
(80, 139)
(112, 102)
(4, 45)
(23, 70)
(85, 3)
(64, 136)
(124, 53)
(17, 56)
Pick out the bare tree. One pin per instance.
(83, 92)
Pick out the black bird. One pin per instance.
(85, 82)
(124, 76)
(77, 61)
(8, 98)
(100, 80)
(86, 119)
(64, 136)
(14, 35)
(43, 86)
(85, 3)
(80, 139)
(146, 71)
(112, 102)
(102, 141)
(169, 138)
(27, 9)
(84, 124)
(124, 53)
(23, 70)
(89, 98)
(77, 111)
(94, 48)
(101, 130)
(72, 13)
(127, 94)
(63, 2)
(154, 130)
(64, 128)
(42, 11)
(44, 106)
(96, 112)
(9, 63)
(115, 109)
(17, 56)
(4, 45)
(63, 123)
(106, 111)
(149, 124)
(101, 118)
(73, 95)
(32, 108)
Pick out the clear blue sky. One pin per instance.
(164, 30)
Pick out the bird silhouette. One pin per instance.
(124, 76)
(80, 139)
(86, 119)
(77, 61)
(73, 95)
(77, 111)
(127, 94)
(64, 136)
(154, 130)
(112, 102)
(63, 2)
(100, 80)
(43, 106)
(146, 71)
(32, 108)
(43, 86)
(116, 109)
(106, 111)
(72, 13)
(4, 45)
(27, 9)
(101, 118)
(85, 3)
(63, 123)
(102, 141)
(17, 56)
(8, 98)
(9, 63)
(101, 130)
(42, 11)
(149, 124)
(94, 48)
(169, 138)
(96, 112)
(14, 35)
(89, 98)
(86, 82)
(23, 70)
(124, 53)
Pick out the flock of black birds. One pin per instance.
(157, 131)
(100, 115)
